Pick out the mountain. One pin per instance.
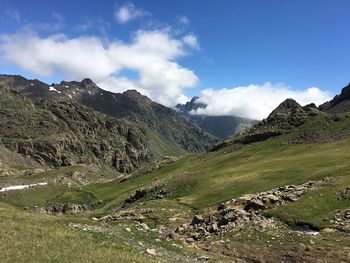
(340, 103)
(63, 133)
(285, 119)
(220, 126)
(168, 133)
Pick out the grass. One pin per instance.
(28, 237)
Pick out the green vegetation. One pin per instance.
(30, 237)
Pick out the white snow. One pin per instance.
(53, 89)
(66, 86)
(89, 92)
(31, 84)
(70, 96)
(20, 187)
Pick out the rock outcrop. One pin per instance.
(340, 103)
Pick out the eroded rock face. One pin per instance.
(63, 133)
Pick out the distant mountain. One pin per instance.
(220, 126)
(340, 103)
(64, 133)
(168, 133)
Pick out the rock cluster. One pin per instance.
(344, 194)
(342, 220)
(234, 214)
(151, 192)
(64, 209)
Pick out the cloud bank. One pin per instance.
(152, 54)
(255, 101)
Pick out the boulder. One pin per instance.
(197, 220)
(254, 205)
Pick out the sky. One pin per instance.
(241, 57)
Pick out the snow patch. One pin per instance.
(20, 187)
(70, 96)
(53, 89)
(31, 84)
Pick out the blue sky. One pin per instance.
(271, 46)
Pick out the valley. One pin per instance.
(278, 192)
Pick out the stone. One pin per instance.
(254, 205)
(272, 198)
(197, 220)
(151, 251)
(128, 229)
(203, 258)
(145, 226)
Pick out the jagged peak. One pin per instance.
(286, 106)
(88, 81)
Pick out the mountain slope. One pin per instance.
(169, 134)
(222, 127)
(340, 103)
(285, 119)
(62, 133)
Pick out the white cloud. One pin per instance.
(191, 40)
(129, 12)
(151, 54)
(255, 101)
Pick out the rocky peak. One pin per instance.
(286, 106)
(340, 103)
(190, 105)
(88, 81)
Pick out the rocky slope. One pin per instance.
(340, 103)
(220, 126)
(63, 133)
(168, 133)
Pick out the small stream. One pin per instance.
(20, 187)
(304, 230)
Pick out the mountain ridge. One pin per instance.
(169, 133)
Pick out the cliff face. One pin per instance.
(63, 133)
(340, 103)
